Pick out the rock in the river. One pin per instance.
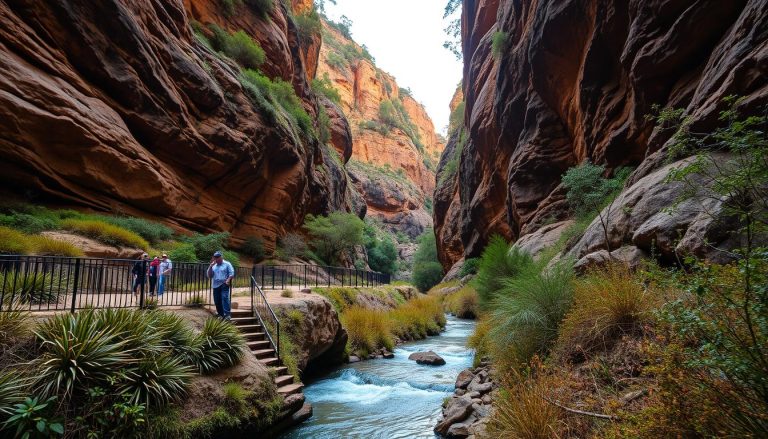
(353, 359)
(428, 357)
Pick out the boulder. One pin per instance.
(427, 357)
(629, 255)
(459, 430)
(456, 411)
(465, 377)
(353, 359)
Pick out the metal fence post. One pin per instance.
(76, 281)
(141, 294)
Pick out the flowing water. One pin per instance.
(394, 398)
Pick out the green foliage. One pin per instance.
(499, 44)
(528, 309)
(221, 344)
(456, 120)
(392, 113)
(471, 266)
(463, 303)
(13, 388)
(253, 247)
(229, 7)
(497, 265)
(336, 61)
(14, 322)
(243, 49)
(262, 7)
(344, 26)
(453, 30)
(588, 190)
(183, 253)
(324, 127)
(206, 245)
(324, 86)
(451, 167)
(31, 419)
(277, 93)
(382, 251)
(149, 230)
(334, 235)
(388, 114)
(427, 270)
(105, 232)
(13, 242)
(308, 25)
(291, 246)
(28, 287)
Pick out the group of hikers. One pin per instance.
(158, 271)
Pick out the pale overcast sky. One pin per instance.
(406, 38)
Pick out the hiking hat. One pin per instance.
(217, 255)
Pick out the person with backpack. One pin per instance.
(139, 273)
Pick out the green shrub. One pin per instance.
(325, 87)
(151, 231)
(243, 49)
(14, 322)
(206, 245)
(471, 265)
(157, 381)
(308, 25)
(382, 251)
(286, 293)
(29, 287)
(13, 389)
(528, 310)
(253, 246)
(222, 346)
(426, 275)
(76, 354)
(29, 223)
(498, 264)
(229, 7)
(184, 253)
(337, 61)
(388, 114)
(269, 93)
(499, 44)
(324, 128)
(105, 232)
(334, 235)
(463, 303)
(262, 7)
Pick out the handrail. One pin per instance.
(255, 305)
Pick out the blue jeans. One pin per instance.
(222, 300)
(161, 280)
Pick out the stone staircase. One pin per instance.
(259, 345)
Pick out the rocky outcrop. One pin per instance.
(465, 413)
(574, 81)
(322, 339)
(379, 147)
(115, 105)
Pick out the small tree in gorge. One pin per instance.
(334, 235)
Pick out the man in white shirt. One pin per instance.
(165, 274)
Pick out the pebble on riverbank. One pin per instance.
(465, 413)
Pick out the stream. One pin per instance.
(394, 398)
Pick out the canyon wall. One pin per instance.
(573, 80)
(392, 164)
(115, 105)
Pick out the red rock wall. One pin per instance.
(576, 82)
(115, 106)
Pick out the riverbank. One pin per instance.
(393, 398)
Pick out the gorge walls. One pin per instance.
(550, 84)
(395, 147)
(116, 105)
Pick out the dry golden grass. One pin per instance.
(44, 246)
(418, 318)
(368, 329)
(105, 232)
(522, 411)
(19, 243)
(608, 303)
(463, 303)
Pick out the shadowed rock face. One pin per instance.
(115, 105)
(575, 81)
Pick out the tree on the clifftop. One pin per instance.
(335, 235)
(453, 30)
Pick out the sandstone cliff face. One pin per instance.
(575, 81)
(362, 88)
(115, 105)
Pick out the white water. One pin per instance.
(394, 398)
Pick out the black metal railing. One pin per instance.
(51, 283)
(266, 316)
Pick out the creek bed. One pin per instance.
(394, 398)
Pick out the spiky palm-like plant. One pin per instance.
(156, 380)
(221, 344)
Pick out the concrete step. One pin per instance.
(280, 370)
(244, 321)
(258, 344)
(290, 389)
(284, 380)
(269, 361)
(243, 312)
(263, 353)
(249, 328)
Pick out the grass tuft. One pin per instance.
(104, 232)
